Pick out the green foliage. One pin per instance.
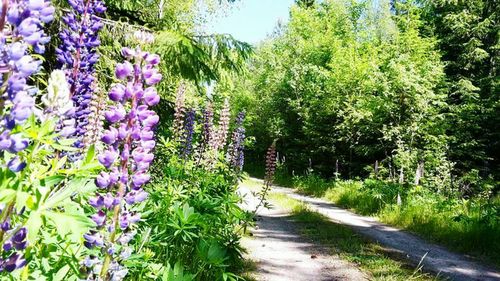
(201, 58)
(194, 219)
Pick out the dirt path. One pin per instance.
(408, 246)
(283, 255)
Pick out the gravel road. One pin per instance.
(282, 254)
(435, 259)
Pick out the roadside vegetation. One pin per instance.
(466, 225)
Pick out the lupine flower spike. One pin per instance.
(58, 104)
(208, 124)
(94, 128)
(129, 142)
(179, 112)
(78, 55)
(237, 146)
(187, 137)
(270, 163)
(268, 180)
(21, 24)
(219, 140)
(206, 134)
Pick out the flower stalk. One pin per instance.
(129, 142)
(78, 56)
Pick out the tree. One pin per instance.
(469, 39)
(350, 81)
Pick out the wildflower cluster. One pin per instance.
(213, 140)
(13, 247)
(41, 190)
(129, 143)
(21, 27)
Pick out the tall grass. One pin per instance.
(468, 226)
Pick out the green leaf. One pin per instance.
(80, 185)
(90, 155)
(61, 274)
(7, 195)
(22, 199)
(75, 224)
(51, 181)
(64, 147)
(33, 226)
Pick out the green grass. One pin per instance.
(247, 270)
(467, 226)
(251, 184)
(374, 260)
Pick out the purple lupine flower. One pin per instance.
(179, 112)
(237, 146)
(15, 261)
(5, 226)
(151, 97)
(14, 246)
(78, 56)
(23, 22)
(127, 155)
(187, 136)
(97, 202)
(219, 137)
(93, 239)
(108, 158)
(99, 218)
(19, 239)
(124, 70)
(206, 133)
(16, 165)
(103, 180)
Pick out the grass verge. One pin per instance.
(470, 226)
(342, 241)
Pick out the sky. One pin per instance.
(252, 20)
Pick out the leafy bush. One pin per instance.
(195, 219)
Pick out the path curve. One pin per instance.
(282, 254)
(437, 259)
